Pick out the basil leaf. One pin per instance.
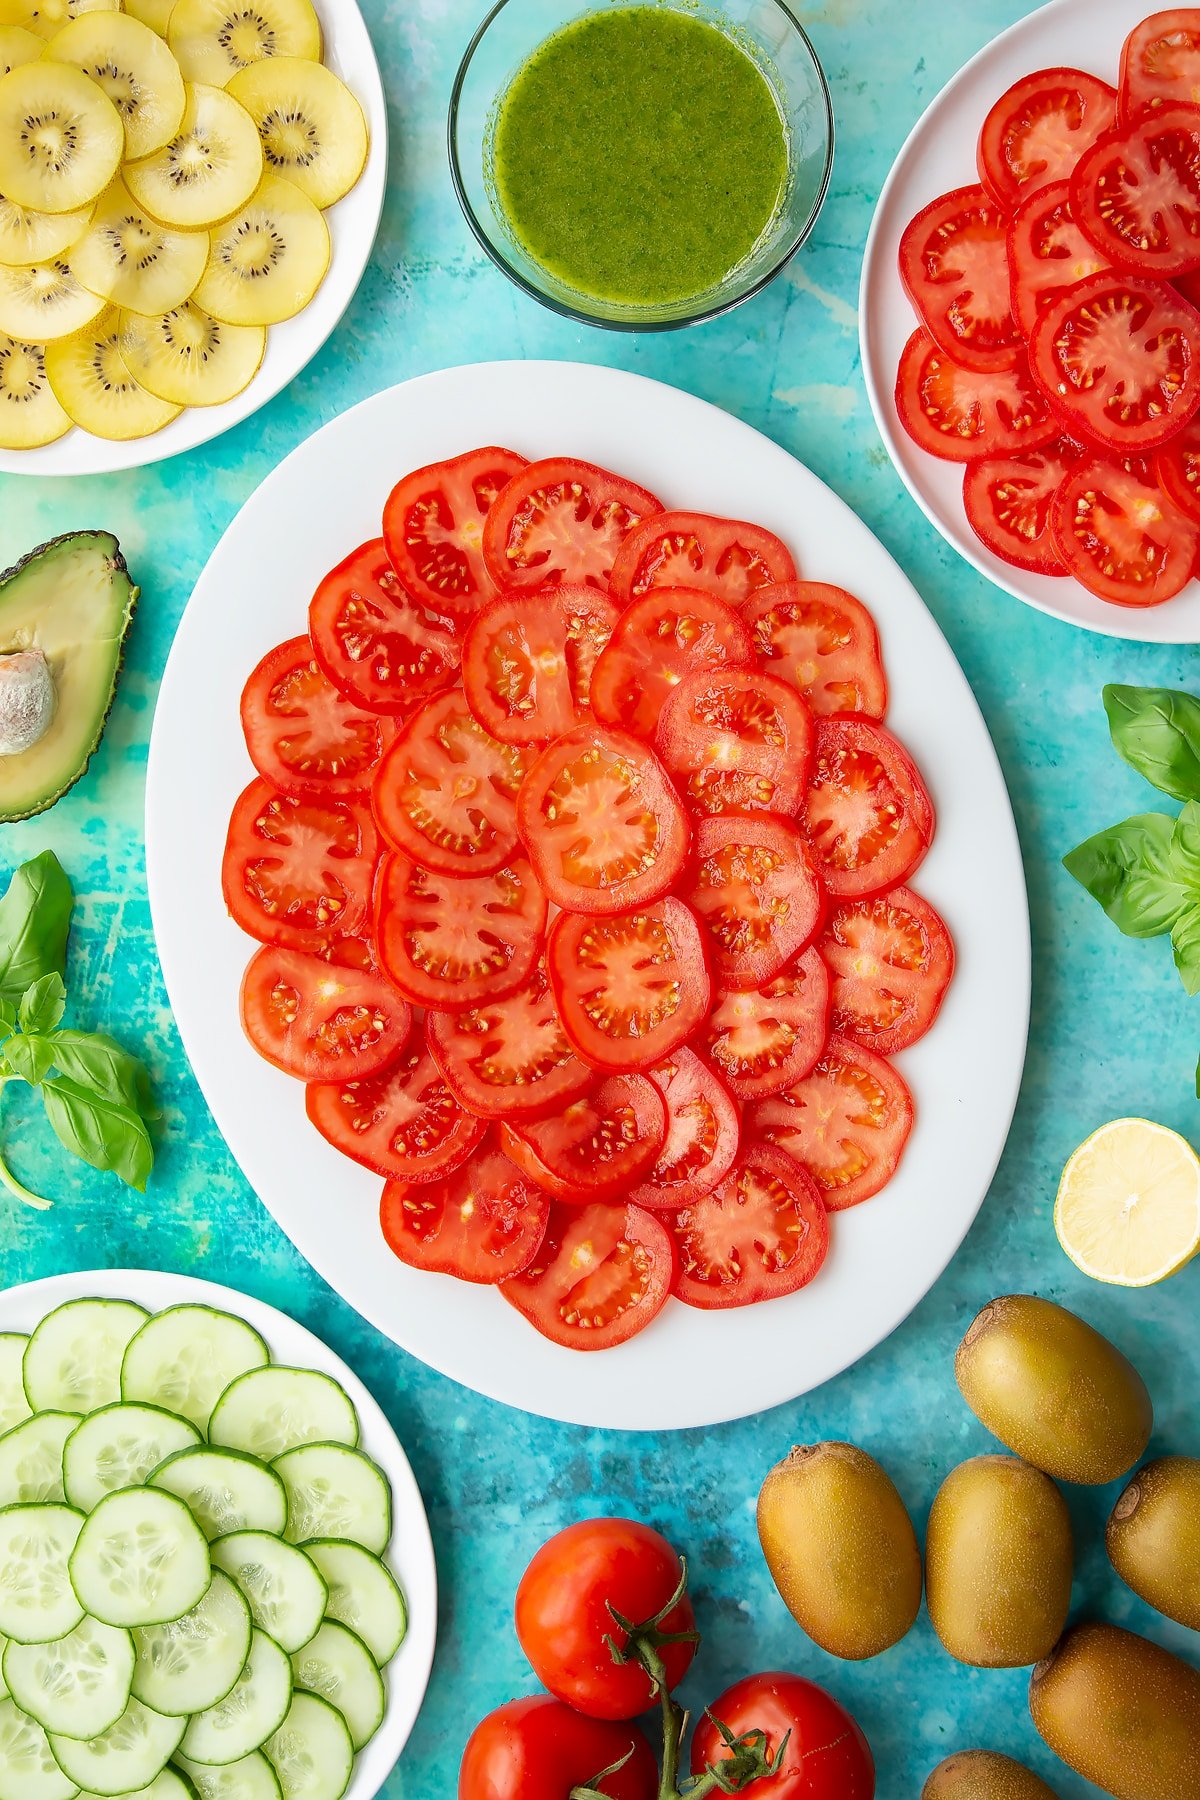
(1132, 870)
(29, 1058)
(43, 1004)
(94, 1059)
(100, 1129)
(35, 918)
(1157, 731)
(8, 1016)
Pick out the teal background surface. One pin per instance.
(1112, 1031)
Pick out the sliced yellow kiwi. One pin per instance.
(29, 413)
(92, 382)
(214, 39)
(27, 237)
(268, 261)
(154, 13)
(42, 301)
(312, 128)
(189, 359)
(208, 170)
(129, 258)
(18, 45)
(136, 71)
(61, 137)
(48, 16)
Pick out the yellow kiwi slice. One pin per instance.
(154, 13)
(18, 45)
(189, 359)
(312, 128)
(61, 137)
(41, 301)
(214, 39)
(136, 71)
(208, 170)
(268, 261)
(29, 413)
(129, 258)
(49, 16)
(28, 237)
(92, 383)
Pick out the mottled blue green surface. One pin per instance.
(1112, 1031)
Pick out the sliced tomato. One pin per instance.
(528, 661)
(959, 413)
(483, 1221)
(847, 1122)
(1177, 470)
(509, 1058)
(1047, 253)
(954, 268)
(318, 1020)
(868, 816)
(603, 826)
(755, 888)
(703, 1132)
(1009, 499)
(728, 557)
(303, 735)
(1136, 192)
(630, 988)
(380, 647)
(562, 520)
(454, 941)
(603, 1274)
(1118, 534)
(762, 1233)
(433, 528)
(763, 1039)
(736, 740)
(891, 959)
(1037, 131)
(599, 1145)
(297, 870)
(1160, 63)
(657, 641)
(446, 792)
(402, 1122)
(823, 641)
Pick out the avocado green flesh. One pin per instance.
(73, 600)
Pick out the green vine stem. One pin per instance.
(15, 1187)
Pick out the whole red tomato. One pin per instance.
(827, 1757)
(563, 1617)
(538, 1749)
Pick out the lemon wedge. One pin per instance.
(1128, 1207)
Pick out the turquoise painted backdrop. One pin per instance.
(1112, 1031)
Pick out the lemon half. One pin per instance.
(1128, 1207)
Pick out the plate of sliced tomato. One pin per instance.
(597, 922)
(1029, 319)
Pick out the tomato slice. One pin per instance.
(822, 640)
(1009, 499)
(1160, 63)
(728, 557)
(1037, 131)
(510, 1057)
(891, 959)
(762, 1233)
(736, 740)
(446, 792)
(1177, 470)
(381, 648)
(1119, 534)
(433, 528)
(402, 1122)
(868, 816)
(1136, 192)
(847, 1122)
(602, 824)
(319, 1020)
(630, 987)
(763, 1039)
(296, 870)
(603, 1274)
(703, 1132)
(453, 941)
(959, 413)
(483, 1221)
(302, 734)
(561, 520)
(756, 890)
(657, 641)
(599, 1145)
(528, 661)
(1047, 253)
(954, 268)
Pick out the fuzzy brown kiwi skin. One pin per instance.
(1153, 1537)
(984, 1775)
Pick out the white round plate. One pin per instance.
(316, 506)
(939, 155)
(353, 223)
(410, 1557)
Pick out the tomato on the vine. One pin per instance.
(539, 1749)
(827, 1757)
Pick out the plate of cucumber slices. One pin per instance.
(219, 1582)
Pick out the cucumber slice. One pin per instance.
(37, 1601)
(124, 1758)
(31, 1459)
(73, 1360)
(245, 1719)
(338, 1666)
(334, 1492)
(190, 1664)
(363, 1594)
(141, 1559)
(286, 1594)
(251, 1778)
(117, 1447)
(186, 1357)
(226, 1490)
(13, 1405)
(3, 1683)
(77, 1686)
(168, 1784)
(271, 1410)
(311, 1752)
(28, 1770)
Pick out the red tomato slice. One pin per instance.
(728, 557)
(1047, 253)
(453, 941)
(756, 891)
(599, 1145)
(1177, 470)
(1038, 130)
(1009, 499)
(602, 824)
(703, 1132)
(381, 648)
(1160, 63)
(657, 641)
(446, 792)
(318, 1020)
(603, 1274)
(297, 870)
(847, 1122)
(736, 740)
(509, 1058)
(868, 817)
(954, 268)
(302, 734)
(1118, 534)
(823, 641)
(891, 959)
(562, 521)
(433, 528)
(762, 1233)
(764, 1039)
(959, 414)
(1136, 192)
(402, 1122)
(632, 987)
(482, 1222)
(528, 661)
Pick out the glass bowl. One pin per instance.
(766, 29)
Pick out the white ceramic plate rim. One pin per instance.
(411, 1553)
(924, 168)
(326, 497)
(353, 224)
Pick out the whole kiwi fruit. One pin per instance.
(1154, 1537)
(984, 1775)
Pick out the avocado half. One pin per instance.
(72, 600)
